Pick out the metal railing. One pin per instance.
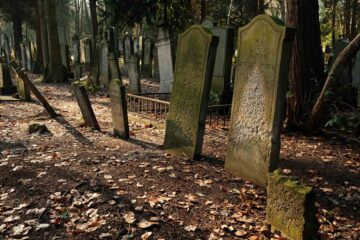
(158, 105)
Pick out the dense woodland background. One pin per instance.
(318, 25)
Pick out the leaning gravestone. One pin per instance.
(264, 48)
(83, 101)
(134, 76)
(119, 109)
(291, 208)
(185, 125)
(165, 61)
(6, 86)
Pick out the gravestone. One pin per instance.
(76, 48)
(22, 89)
(155, 65)
(165, 60)
(83, 101)
(185, 125)
(104, 65)
(6, 86)
(291, 208)
(146, 66)
(85, 50)
(23, 55)
(28, 55)
(136, 46)
(134, 75)
(129, 47)
(119, 109)
(114, 69)
(339, 46)
(7, 49)
(264, 48)
(222, 70)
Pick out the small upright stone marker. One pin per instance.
(22, 89)
(85, 106)
(185, 125)
(134, 75)
(291, 208)
(264, 49)
(119, 109)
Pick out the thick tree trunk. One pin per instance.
(94, 26)
(306, 65)
(43, 30)
(203, 10)
(38, 66)
(353, 28)
(56, 71)
(333, 22)
(17, 28)
(320, 110)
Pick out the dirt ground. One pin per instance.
(75, 183)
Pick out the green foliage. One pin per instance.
(345, 121)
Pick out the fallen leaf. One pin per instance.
(129, 217)
(240, 233)
(146, 235)
(146, 224)
(191, 228)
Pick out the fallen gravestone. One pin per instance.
(83, 101)
(134, 75)
(264, 48)
(185, 124)
(291, 208)
(6, 86)
(119, 109)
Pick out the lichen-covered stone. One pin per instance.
(185, 124)
(291, 207)
(253, 147)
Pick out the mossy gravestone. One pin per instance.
(83, 101)
(185, 124)
(6, 86)
(291, 208)
(264, 48)
(119, 109)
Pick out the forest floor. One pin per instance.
(76, 183)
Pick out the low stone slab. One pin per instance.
(6, 86)
(83, 101)
(119, 109)
(291, 207)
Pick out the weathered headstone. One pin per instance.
(6, 86)
(129, 47)
(339, 46)
(291, 208)
(264, 48)
(146, 66)
(22, 89)
(85, 50)
(119, 109)
(104, 65)
(114, 69)
(83, 101)
(134, 75)
(165, 61)
(222, 70)
(28, 54)
(23, 56)
(185, 125)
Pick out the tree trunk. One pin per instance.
(203, 10)
(320, 110)
(347, 19)
(38, 66)
(17, 28)
(283, 10)
(260, 7)
(353, 28)
(333, 22)
(44, 41)
(56, 71)
(94, 26)
(306, 66)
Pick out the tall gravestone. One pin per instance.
(129, 47)
(114, 70)
(165, 60)
(83, 101)
(104, 65)
(222, 69)
(185, 125)
(146, 66)
(134, 75)
(23, 55)
(28, 54)
(119, 109)
(339, 46)
(6, 86)
(264, 48)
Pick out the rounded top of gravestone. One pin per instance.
(209, 22)
(274, 22)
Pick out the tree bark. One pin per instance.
(17, 28)
(38, 66)
(203, 10)
(333, 22)
(56, 72)
(44, 41)
(306, 65)
(94, 26)
(320, 110)
(353, 28)
(260, 7)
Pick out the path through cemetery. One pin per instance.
(75, 183)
